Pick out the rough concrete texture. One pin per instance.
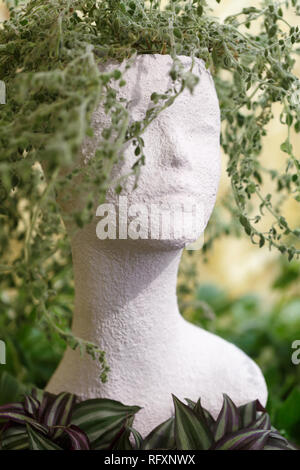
(126, 290)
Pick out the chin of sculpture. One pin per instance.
(125, 289)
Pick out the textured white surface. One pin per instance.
(126, 290)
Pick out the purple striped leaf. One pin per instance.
(262, 422)
(161, 437)
(102, 420)
(243, 440)
(31, 405)
(58, 413)
(249, 412)
(191, 433)
(274, 443)
(34, 393)
(258, 443)
(276, 438)
(21, 418)
(122, 440)
(137, 437)
(3, 428)
(14, 437)
(46, 402)
(197, 407)
(204, 415)
(38, 441)
(78, 438)
(14, 407)
(228, 420)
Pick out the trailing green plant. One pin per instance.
(50, 57)
(43, 421)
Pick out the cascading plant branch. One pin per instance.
(49, 62)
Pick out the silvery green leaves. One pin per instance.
(39, 442)
(191, 432)
(246, 427)
(104, 421)
(42, 421)
(56, 422)
(13, 437)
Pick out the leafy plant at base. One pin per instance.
(47, 422)
(41, 423)
(50, 57)
(44, 421)
(246, 427)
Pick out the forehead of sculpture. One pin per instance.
(150, 73)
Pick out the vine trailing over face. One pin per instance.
(49, 62)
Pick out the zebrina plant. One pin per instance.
(49, 422)
(43, 421)
(246, 427)
(50, 56)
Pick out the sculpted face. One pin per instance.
(182, 145)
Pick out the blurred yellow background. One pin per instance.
(3, 11)
(235, 264)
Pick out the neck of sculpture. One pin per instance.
(122, 283)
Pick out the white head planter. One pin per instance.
(126, 289)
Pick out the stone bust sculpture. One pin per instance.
(125, 290)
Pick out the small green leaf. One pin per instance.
(286, 147)
(117, 74)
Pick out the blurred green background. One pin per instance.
(247, 295)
